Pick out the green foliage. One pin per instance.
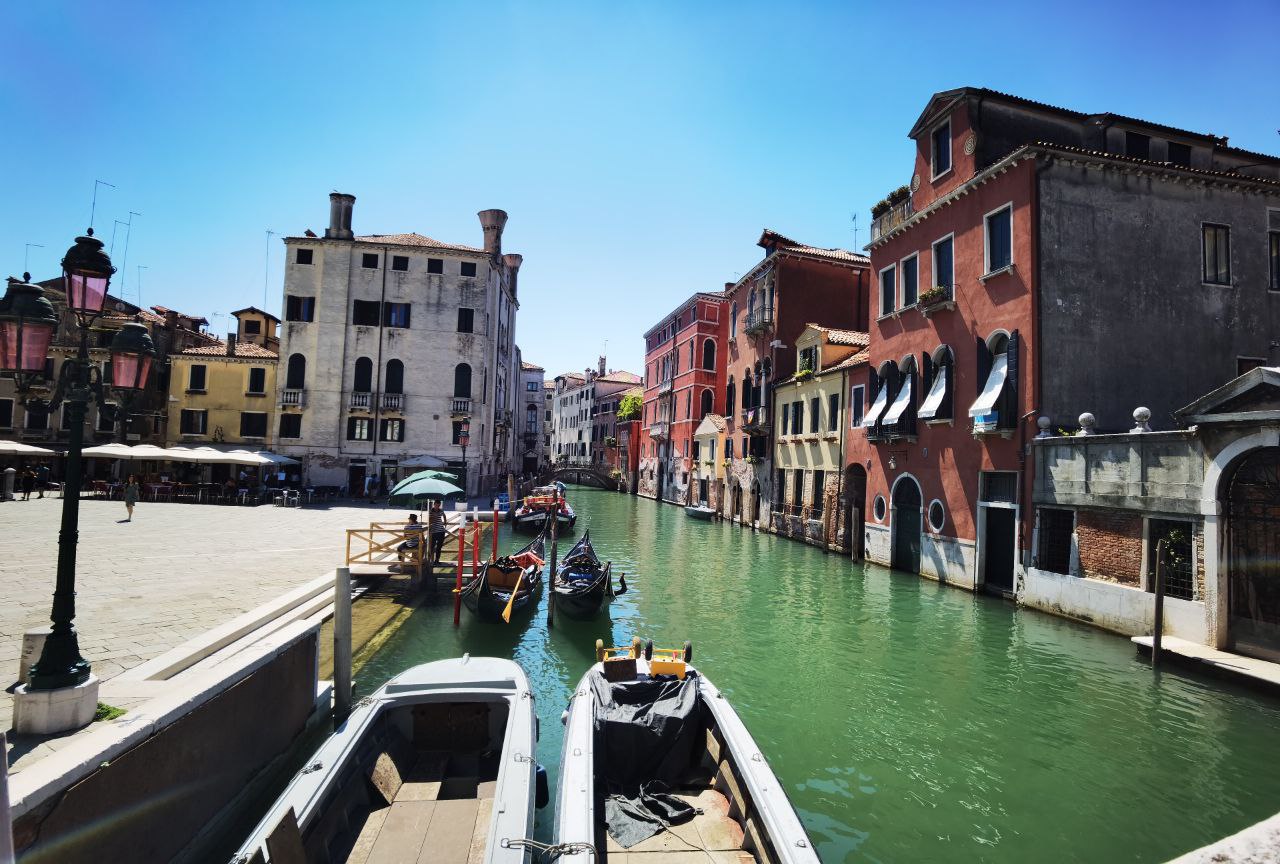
(629, 407)
(107, 712)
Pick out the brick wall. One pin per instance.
(1110, 546)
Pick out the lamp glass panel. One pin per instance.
(129, 371)
(86, 292)
(34, 340)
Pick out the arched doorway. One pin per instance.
(905, 525)
(855, 512)
(1253, 554)
(755, 502)
(735, 504)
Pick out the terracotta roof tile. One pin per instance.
(413, 239)
(620, 377)
(781, 240)
(530, 367)
(716, 420)
(243, 349)
(856, 338)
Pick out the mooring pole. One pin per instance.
(1159, 625)
(457, 591)
(341, 646)
(494, 557)
(475, 546)
(551, 578)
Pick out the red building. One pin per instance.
(684, 367)
(769, 308)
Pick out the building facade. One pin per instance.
(708, 463)
(608, 393)
(683, 383)
(533, 429)
(393, 344)
(769, 308)
(584, 414)
(1014, 275)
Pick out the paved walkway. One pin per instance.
(172, 573)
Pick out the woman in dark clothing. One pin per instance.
(28, 484)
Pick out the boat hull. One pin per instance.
(706, 514)
(536, 522)
(489, 603)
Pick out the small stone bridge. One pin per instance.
(584, 475)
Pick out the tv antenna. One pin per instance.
(26, 256)
(124, 264)
(266, 269)
(93, 208)
(140, 268)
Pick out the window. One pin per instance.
(299, 308)
(253, 327)
(819, 493)
(1216, 248)
(394, 381)
(937, 386)
(296, 376)
(253, 424)
(36, 419)
(733, 321)
(878, 508)
(999, 238)
(362, 382)
(196, 378)
(106, 419)
(797, 489)
(462, 381)
(943, 265)
(457, 432)
(194, 422)
(358, 429)
(303, 256)
(888, 291)
(940, 149)
(466, 320)
(857, 405)
(435, 265)
(797, 418)
(1137, 145)
(1053, 552)
(257, 381)
(833, 412)
(395, 315)
(369, 261)
(709, 347)
(1178, 567)
(365, 313)
(1246, 364)
(815, 406)
(6, 413)
(786, 421)
(290, 425)
(1273, 252)
(910, 280)
(999, 487)
(1179, 154)
(937, 515)
(531, 386)
(728, 448)
(467, 268)
(391, 430)
(729, 397)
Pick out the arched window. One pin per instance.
(692, 347)
(462, 381)
(937, 382)
(708, 403)
(296, 378)
(728, 397)
(364, 375)
(733, 320)
(708, 354)
(766, 372)
(394, 382)
(748, 392)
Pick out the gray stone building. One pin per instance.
(392, 345)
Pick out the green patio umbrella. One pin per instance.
(427, 475)
(413, 491)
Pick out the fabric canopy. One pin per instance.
(116, 451)
(423, 461)
(13, 448)
(877, 407)
(276, 458)
(991, 390)
(900, 402)
(933, 401)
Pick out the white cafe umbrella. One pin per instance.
(15, 448)
(113, 451)
(276, 458)
(423, 461)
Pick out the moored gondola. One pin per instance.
(535, 510)
(583, 584)
(489, 592)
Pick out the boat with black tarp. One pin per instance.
(510, 581)
(583, 584)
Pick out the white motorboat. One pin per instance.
(656, 762)
(440, 759)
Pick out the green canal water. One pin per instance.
(908, 721)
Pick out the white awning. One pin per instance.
(933, 401)
(991, 390)
(900, 402)
(877, 407)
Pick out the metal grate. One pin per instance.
(1000, 487)
(1056, 528)
(1179, 558)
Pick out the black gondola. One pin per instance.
(582, 584)
(488, 593)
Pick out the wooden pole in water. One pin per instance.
(457, 591)
(495, 534)
(551, 578)
(1159, 624)
(341, 646)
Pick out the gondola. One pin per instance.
(534, 510)
(655, 755)
(582, 584)
(435, 763)
(488, 592)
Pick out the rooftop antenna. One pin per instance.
(266, 269)
(93, 209)
(140, 268)
(119, 222)
(124, 273)
(26, 256)
(854, 217)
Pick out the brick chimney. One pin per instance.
(600, 366)
(231, 344)
(340, 207)
(513, 263)
(492, 222)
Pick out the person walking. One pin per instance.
(28, 483)
(42, 479)
(435, 527)
(130, 496)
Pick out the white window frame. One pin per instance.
(97, 420)
(855, 422)
(933, 153)
(204, 413)
(880, 289)
(986, 244)
(902, 302)
(933, 263)
(12, 404)
(1231, 274)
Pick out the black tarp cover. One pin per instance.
(646, 731)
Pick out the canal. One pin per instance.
(909, 721)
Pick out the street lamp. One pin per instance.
(464, 438)
(27, 324)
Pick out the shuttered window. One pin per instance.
(1216, 248)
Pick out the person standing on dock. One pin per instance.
(435, 526)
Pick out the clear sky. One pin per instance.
(639, 148)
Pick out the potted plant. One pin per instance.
(880, 208)
(753, 460)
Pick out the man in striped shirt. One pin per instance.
(435, 526)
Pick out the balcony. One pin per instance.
(755, 421)
(758, 321)
(293, 398)
(664, 387)
(392, 401)
(460, 406)
(361, 400)
(895, 216)
(502, 418)
(660, 431)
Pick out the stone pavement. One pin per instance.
(174, 572)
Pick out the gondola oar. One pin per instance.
(506, 613)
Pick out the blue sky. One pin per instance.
(639, 148)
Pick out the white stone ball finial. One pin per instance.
(1141, 418)
(1087, 422)
(1043, 422)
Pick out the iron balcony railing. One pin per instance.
(664, 387)
(758, 320)
(361, 399)
(295, 398)
(460, 406)
(392, 401)
(755, 420)
(895, 216)
(659, 431)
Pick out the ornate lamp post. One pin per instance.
(464, 438)
(27, 324)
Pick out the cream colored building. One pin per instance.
(707, 486)
(808, 456)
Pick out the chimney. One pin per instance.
(492, 222)
(170, 319)
(340, 206)
(231, 344)
(728, 286)
(513, 263)
(600, 366)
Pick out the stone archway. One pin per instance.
(853, 506)
(1251, 501)
(905, 524)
